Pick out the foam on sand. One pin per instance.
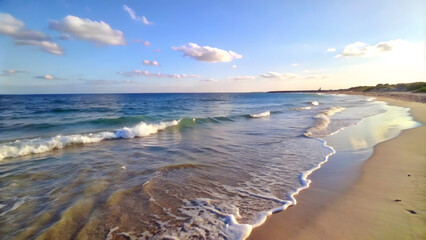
(264, 114)
(40, 145)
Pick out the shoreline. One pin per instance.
(397, 95)
(354, 209)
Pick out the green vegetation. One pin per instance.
(401, 87)
(422, 90)
(416, 86)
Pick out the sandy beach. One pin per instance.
(381, 198)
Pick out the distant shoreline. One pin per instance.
(398, 95)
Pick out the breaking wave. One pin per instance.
(24, 147)
(40, 145)
(323, 121)
(264, 114)
(301, 108)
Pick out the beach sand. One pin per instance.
(364, 204)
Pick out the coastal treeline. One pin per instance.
(402, 87)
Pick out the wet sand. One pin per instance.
(383, 197)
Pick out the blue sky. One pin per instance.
(208, 46)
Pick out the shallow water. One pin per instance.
(191, 166)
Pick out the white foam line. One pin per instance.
(264, 114)
(303, 178)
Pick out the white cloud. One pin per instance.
(44, 46)
(150, 63)
(10, 25)
(134, 17)
(234, 66)
(241, 78)
(16, 30)
(207, 54)
(159, 75)
(86, 29)
(294, 64)
(50, 77)
(107, 82)
(331, 50)
(362, 49)
(146, 43)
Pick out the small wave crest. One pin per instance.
(315, 103)
(40, 145)
(323, 120)
(301, 108)
(264, 114)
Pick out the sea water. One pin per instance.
(154, 166)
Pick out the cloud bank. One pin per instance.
(241, 78)
(158, 75)
(16, 30)
(133, 16)
(50, 77)
(86, 29)
(107, 82)
(207, 53)
(11, 72)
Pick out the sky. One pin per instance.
(146, 46)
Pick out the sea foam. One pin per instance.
(40, 145)
(323, 120)
(264, 114)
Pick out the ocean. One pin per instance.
(154, 166)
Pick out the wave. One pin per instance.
(264, 114)
(315, 103)
(73, 110)
(301, 108)
(191, 122)
(24, 147)
(40, 145)
(107, 122)
(291, 196)
(323, 121)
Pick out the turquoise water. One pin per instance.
(189, 166)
